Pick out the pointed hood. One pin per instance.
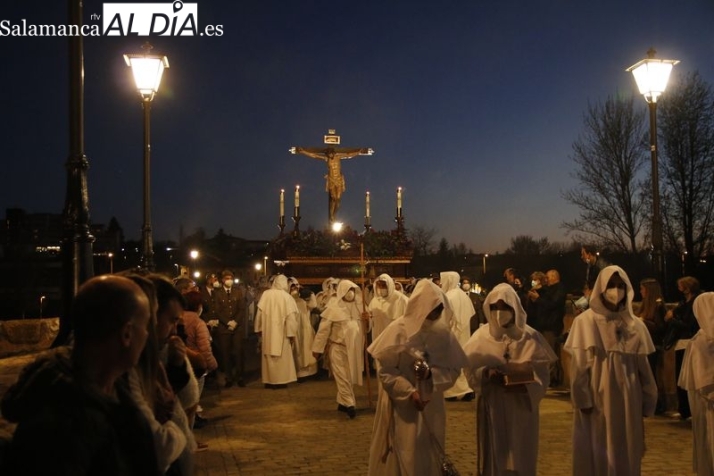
(504, 292)
(449, 280)
(281, 283)
(596, 299)
(387, 279)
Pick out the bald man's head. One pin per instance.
(104, 305)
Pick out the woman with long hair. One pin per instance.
(652, 314)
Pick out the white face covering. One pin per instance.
(294, 292)
(350, 296)
(228, 283)
(216, 284)
(613, 295)
(382, 292)
(200, 311)
(503, 317)
(534, 284)
(466, 287)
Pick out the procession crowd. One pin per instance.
(123, 397)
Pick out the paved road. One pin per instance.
(293, 431)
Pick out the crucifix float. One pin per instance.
(333, 156)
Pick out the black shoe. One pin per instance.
(351, 412)
(341, 408)
(199, 422)
(468, 397)
(451, 399)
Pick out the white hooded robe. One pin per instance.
(401, 443)
(276, 319)
(508, 421)
(463, 310)
(697, 378)
(609, 373)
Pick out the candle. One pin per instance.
(367, 204)
(282, 202)
(297, 196)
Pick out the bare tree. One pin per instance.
(687, 165)
(422, 239)
(609, 155)
(527, 245)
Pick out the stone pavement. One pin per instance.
(293, 431)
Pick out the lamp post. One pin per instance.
(484, 263)
(651, 76)
(265, 265)
(77, 239)
(110, 255)
(147, 69)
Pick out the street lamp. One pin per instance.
(147, 69)
(484, 263)
(111, 262)
(651, 76)
(265, 265)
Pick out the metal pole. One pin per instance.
(77, 264)
(147, 258)
(657, 254)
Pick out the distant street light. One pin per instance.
(265, 265)
(484, 263)
(193, 254)
(652, 76)
(147, 69)
(42, 301)
(111, 262)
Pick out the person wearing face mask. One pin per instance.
(387, 304)
(340, 335)
(478, 318)
(208, 294)
(229, 334)
(612, 386)
(305, 363)
(419, 357)
(509, 369)
(460, 324)
(276, 323)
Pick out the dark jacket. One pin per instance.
(230, 307)
(67, 428)
(553, 308)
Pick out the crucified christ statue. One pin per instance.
(335, 181)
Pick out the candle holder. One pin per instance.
(400, 224)
(281, 224)
(296, 219)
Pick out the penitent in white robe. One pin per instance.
(402, 444)
(340, 332)
(609, 373)
(507, 419)
(462, 309)
(697, 378)
(276, 320)
(304, 361)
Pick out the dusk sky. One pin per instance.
(471, 106)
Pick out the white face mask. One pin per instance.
(216, 284)
(613, 295)
(294, 292)
(200, 311)
(382, 292)
(350, 296)
(535, 284)
(228, 283)
(503, 317)
(466, 287)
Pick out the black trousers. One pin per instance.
(231, 353)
